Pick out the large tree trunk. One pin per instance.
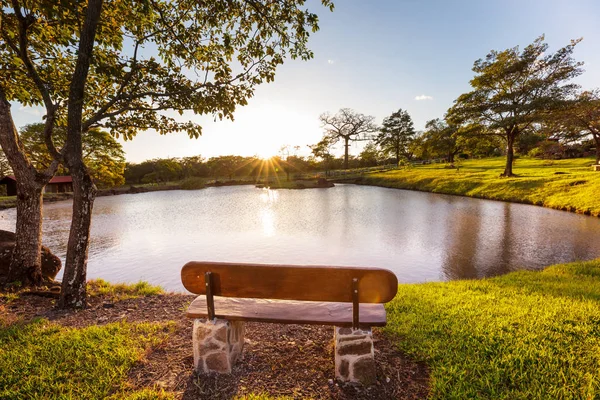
(25, 265)
(26, 261)
(451, 157)
(510, 153)
(346, 145)
(597, 140)
(397, 157)
(73, 292)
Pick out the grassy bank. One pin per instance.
(87, 355)
(525, 335)
(562, 184)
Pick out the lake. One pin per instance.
(419, 236)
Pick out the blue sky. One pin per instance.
(376, 57)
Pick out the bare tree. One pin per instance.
(348, 125)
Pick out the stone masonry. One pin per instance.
(354, 355)
(217, 344)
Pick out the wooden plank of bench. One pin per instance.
(290, 282)
(288, 311)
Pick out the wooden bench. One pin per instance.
(350, 299)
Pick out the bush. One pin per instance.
(193, 184)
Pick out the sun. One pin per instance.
(266, 154)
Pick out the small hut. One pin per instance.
(58, 184)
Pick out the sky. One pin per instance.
(376, 57)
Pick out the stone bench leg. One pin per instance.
(354, 355)
(217, 344)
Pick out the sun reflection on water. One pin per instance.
(269, 196)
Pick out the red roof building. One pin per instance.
(58, 184)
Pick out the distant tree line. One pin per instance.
(521, 102)
(230, 167)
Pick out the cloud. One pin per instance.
(30, 110)
(423, 97)
(330, 62)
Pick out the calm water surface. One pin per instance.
(419, 236)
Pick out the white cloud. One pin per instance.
(423, 97)
(30, 110)
(330, 62)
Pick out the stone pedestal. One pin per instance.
(354, 355)
(596, 167)
(217, 344)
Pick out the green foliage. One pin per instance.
(442, 139)
(122, 291)
(43, 360)
(370, 155)
(525, 335)
(396, 134)
(512, 91)
(579, 120)
(193, 183)
(208, 57)
(103, 155)
(541, 184)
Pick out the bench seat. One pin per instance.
(288, 311)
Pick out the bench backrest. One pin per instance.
(290, 282)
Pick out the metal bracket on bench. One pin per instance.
(210, 301)
(355, 304)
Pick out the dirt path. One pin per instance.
(280, 360)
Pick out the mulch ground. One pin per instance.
(279, 360)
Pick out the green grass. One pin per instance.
(42, 360)
(9, 297)
(525, 335)
(562, 184)
(122, 291)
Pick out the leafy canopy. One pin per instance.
(512, 90)
(396, 133)
(103, 155)
(150, 57)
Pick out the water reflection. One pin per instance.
(419, 236)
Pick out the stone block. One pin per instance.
(354, 355)
(217, 344)
(596, 167)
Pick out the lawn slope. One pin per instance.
(525, 335)
(562, 184)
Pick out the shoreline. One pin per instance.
(564, 185)
(7, 203)
(360, 182)
(10, 202)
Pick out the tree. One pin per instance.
(347, 125)
(102, 153)
(370, 155)
(194, 166)
(226, 165)
(396, 134)
(581, 119)
(442, 137)
(86, 63)
(512, 90)
(322, 150)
